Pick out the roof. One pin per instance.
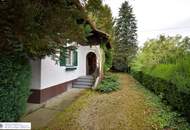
(98, 36)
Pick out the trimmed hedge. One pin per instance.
(15, 75)
(176, 96)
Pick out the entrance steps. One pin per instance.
(84, 82)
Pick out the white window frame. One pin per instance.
(69, 58)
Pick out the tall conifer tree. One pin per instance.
(126, 38)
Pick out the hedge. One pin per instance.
(15, 75)
(176, 96)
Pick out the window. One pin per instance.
(68, 58)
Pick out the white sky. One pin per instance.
(156, 17)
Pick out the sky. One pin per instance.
(155, 17)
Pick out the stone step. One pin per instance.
(81, 86)
(83, 83)
(85, 80)
(87, 77)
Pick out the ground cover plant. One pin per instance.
(163, 116)
(108, 84)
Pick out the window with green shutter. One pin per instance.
(69, 58)
(62, 57)
(75, 58)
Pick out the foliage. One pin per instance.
(15, 75)
(164, 71)
(38, 26)
(176, 96)
(108, 59)
(163, 116)
(167, 60)
(162, 66)
(182, 72)
(164, 50)
(108, 84)
(178, 73)
(107, 56)
(99, 13)
(126, 38)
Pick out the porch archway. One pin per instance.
(91, 63)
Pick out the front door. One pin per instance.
(90, 63)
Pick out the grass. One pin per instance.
(163, 116)
(130, 108)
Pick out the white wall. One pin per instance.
(36, 74)
(53, 74)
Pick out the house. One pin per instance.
(81, 65)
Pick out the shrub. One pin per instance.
(178, 73)
(108, 60)
(163, 116)
(15, 74)
(176, 96)
(108, 84)
(164, 71)
(108, 56)
(181, 75)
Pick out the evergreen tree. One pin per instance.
(37, 28)
(101, 15)
(126, 38)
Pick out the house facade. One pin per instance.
(51, 78)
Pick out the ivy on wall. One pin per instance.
(108, 57)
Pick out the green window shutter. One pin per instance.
(62, 57)
(75, 58)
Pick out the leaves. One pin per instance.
(164, 50)
(88, 30)
(35, 25)
(15, 78)
(108, 84)
(126, 38)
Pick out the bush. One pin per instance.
(176, 96)
(181, 75)
(108, 60)
(109, 83)
(15, 75)
(178, 73)
(108, 56)
(164, 71)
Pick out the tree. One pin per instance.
(38, 28)
(101, 15)
(126, 38)
(164, 50)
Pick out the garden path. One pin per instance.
(125, 109)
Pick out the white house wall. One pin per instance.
(53, 74)
(36, 74)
